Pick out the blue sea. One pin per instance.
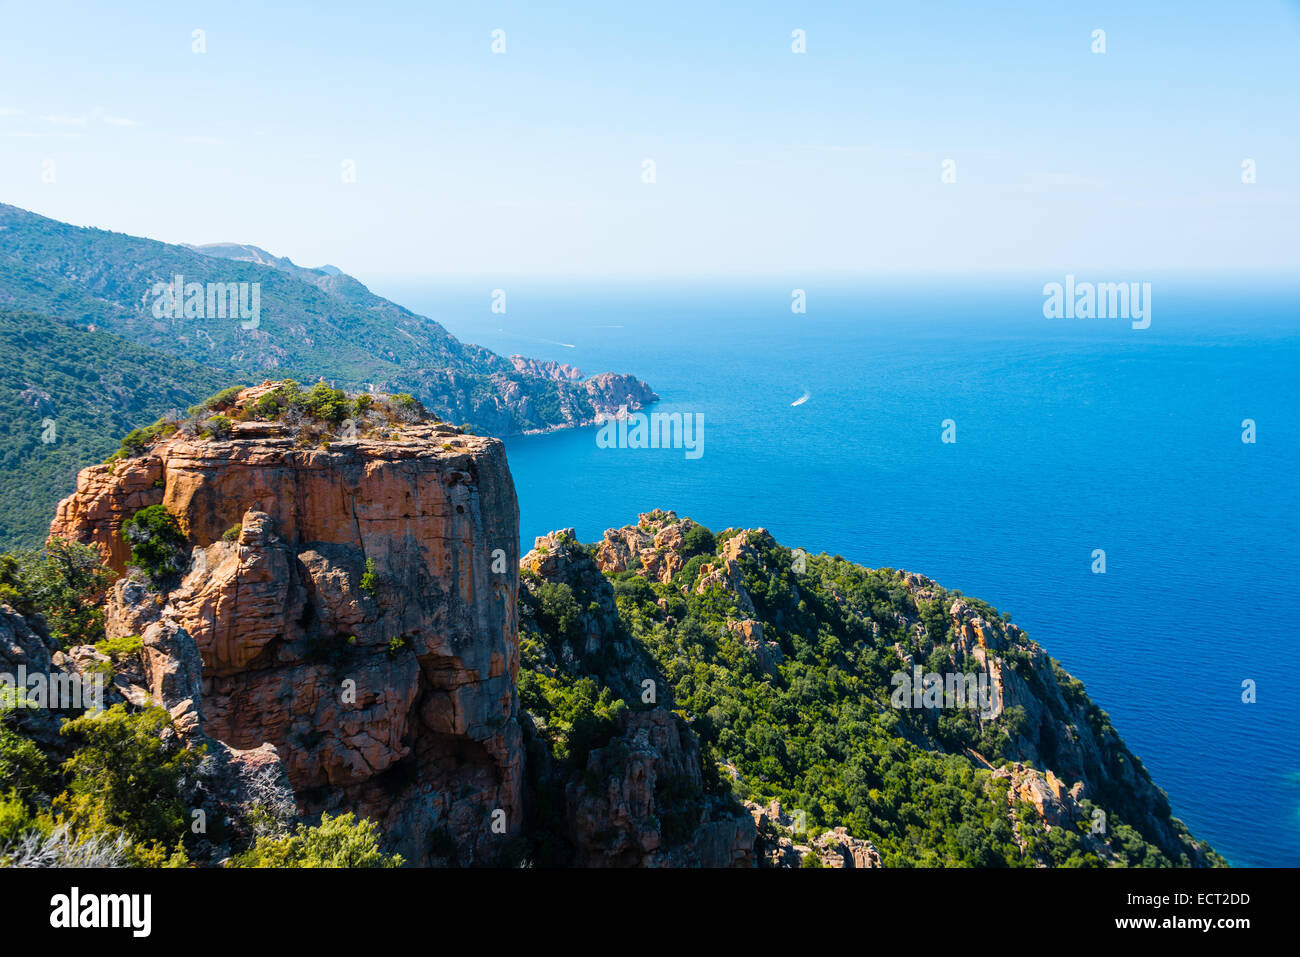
(1071, 435)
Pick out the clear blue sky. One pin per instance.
(530, 162)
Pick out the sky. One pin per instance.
(532, 161)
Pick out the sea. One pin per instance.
(1067, 438)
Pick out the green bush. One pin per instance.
(370, 579)
(123, 776)
(558, 613)
(276, 402)
(222, 400)
(65, 582)
(341, 841)
(157, 546)
(698, 540)
(118, 649)
(322, 402)
(137, 441)
(24, 768)
(219, 426)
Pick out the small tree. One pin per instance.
(698, 540)
(329, 404)
(65, 582)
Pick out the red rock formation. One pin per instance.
(546, 369)
(394, 697)
(653, 544)
(106, 496)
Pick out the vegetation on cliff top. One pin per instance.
(316, 416)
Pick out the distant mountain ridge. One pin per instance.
(312, 323)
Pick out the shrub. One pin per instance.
(406, 407)
(124, 776)
(233, 532)
(274, 403)
(57, 846)
(341, 841)
(23, 766)
(137, 441)
(322, 402)
(157, 545)
(370, 579)
(218, 426)
(558, 612)
(13, 586)
(690, 572)
(118, 649)
(222, 400)
(698, 540)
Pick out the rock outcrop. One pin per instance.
(638, 803)
(639, 800)
(556, 558)
(612, 393)
(546, 369)
(653, 546)
(354, 606)
(779, 833)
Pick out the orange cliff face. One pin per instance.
(393, 696)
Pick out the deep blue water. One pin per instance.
(1072, 435)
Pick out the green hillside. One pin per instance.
(94, 387)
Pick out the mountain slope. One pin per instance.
(66, 397)
(311, 323)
